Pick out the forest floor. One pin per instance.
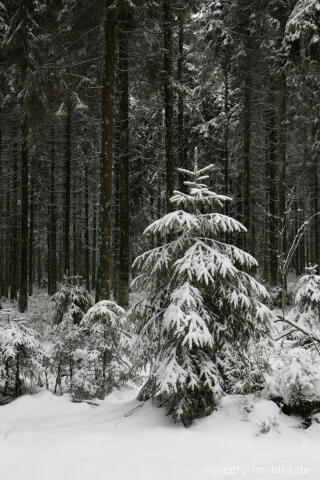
(48, 437)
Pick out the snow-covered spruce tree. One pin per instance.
(72, 301)
(308, 300)
(100, 364)
(199, 302)
(21, 356)
(67, 338)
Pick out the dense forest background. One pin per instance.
(101, 101)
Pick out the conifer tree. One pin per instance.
(103, 274)
(21, 355)
(308, 299)
(200, 303)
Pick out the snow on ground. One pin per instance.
(47, 437)
(39, 314)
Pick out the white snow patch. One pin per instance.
(48, 437)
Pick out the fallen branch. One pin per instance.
(301, 329)
(285, 334)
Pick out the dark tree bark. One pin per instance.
(226, 137)
(52, 224)
(86, 232)
(282, 163)
(296, 227)
(302, 244)
(2, 264)
(316, 210)
(103, 276)
(31, 244)
(282, 150)
(23, 292)
(94, 244)
(124, 26)
(247, 158)
(181, 120)
(7, 244)
(115, 220)
(67, 204)
(14, 226)
(75, 264)
(168, 98)
(115, 226)
(272, 188)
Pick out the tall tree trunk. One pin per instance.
(282, 154)
(296, 227)
(316, 210)
(75, 266)
(103, 277)
(181, 129)
(247, 158)
(94, 244)
(282, 163)
(67, 174)
(115, 227)
(160, 182)
(226, 137)
(168, 99)
(124, 158)
(7, 244)
(86, 233)
(14, 226)
(272, 178)
(31, 245)
(266, 236)
(23, 293)
(302, 244)
(2, 265)
(52, 230)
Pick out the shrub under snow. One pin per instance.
(308, 300)
(247, 368)
(72, 301)
(294, 379)
(103, 360)
(20, 358)
(90, 359)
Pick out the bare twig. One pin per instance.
(301, 329)
(285, 334)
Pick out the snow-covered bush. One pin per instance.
(294, 379)
(246, 369)
(71, 301)
(308, 300)
(67, 338)
(90, 359)
(199, 303)
(102, 362)
(20, 358)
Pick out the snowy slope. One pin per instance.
(45, 437)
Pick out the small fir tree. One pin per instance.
(308, 299)
(101, 363)
(199, 302)
(67, 338)
(90, 359)
(21, 358)
(72, 301)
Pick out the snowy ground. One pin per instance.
(46, 437)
